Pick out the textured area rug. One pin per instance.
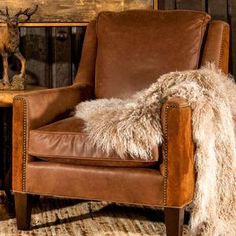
(86, 218)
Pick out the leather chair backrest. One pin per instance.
(127, 51)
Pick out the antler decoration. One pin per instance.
(9, 44)
(27, 12)
(6, 13)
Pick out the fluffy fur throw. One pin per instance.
(133, 126)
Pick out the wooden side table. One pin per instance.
(6, 101)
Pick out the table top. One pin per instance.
(6, 96)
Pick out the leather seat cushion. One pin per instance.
(65, 141)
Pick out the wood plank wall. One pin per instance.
(218, 9)
(72, 10)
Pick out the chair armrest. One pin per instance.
(217, 45)
(46, 106)
(33, 110)
(178, 153)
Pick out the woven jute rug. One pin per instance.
(86, 218)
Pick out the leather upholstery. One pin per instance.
(217, 45)
(127, 185)
(178, 152)
(36, 109)
(173, 185)
(19, 133)
(65, 141)
(153, 49)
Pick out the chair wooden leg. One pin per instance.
(174, 220)
(23, 210)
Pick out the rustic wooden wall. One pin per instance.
(73, 10)
(218, 9)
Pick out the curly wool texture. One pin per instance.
(133, 126)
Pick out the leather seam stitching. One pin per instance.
(179, 106)
(25, 125)
(55, 133)
(165, 157)
(93, 199)
(165, 186)
(92, 159)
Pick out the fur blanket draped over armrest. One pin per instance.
(133, 126)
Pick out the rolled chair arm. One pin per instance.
(217, 45)
(46, 106)
(178, 153)
(35, 109)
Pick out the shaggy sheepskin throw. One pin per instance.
(133, 126)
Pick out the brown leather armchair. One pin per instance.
(122, 53)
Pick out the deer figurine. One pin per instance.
(10, 40)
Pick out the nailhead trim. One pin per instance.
(25, 114)
(165, 151)
(222, 52)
